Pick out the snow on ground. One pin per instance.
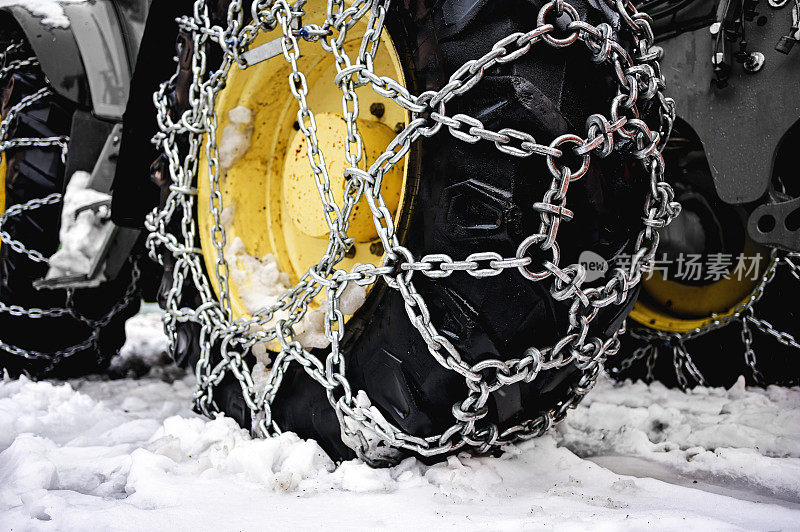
(128, 454)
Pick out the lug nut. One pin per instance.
(377, 109)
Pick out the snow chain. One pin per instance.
(743, 314)
(372, 437)
(7, 68)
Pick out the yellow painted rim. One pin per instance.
(679, 308)
(270, 201)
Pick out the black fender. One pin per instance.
(88, 60)
(742, 125)
(58, 55)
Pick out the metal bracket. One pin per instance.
(776, 224)
(263, 52)
(741, 127)
(102, 207)
(270, 49)
(117, 241)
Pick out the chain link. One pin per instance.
(16, 210)
(173, 229)
(749, 353)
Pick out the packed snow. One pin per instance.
(83, 230)
(50, 11)
(260, 283)
(129, 454)
(259, 279)
(236, 136)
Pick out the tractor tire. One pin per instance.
(718, 356)
(467, 198)
(62, 343)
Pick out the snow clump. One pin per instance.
(81, 235)
(236, 136)
(50, 11)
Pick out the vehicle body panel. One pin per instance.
(741, 125)
(90, 61)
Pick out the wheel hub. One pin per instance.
(272, 212)
(707, 231)
(299, 194)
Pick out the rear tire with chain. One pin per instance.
(468, 197)
(720, 354)
(664, 342)
(77, 334)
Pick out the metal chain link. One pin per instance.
(743, 315)
(749, 353)
(173, 228)
(53, 358)
(16, 210)
(792, 260)
(16, 65)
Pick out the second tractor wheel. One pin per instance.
(717, 305)
(45, 333)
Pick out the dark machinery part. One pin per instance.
(776, 224)
(741, 114)
(787, 42)
(731, 27)
(118, 242)
(89, 63)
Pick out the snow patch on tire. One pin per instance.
(260, 283)
(83, 231)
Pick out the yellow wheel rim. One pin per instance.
(272, 213)
(679, 308)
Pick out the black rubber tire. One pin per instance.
(37, 173)
(469, 198)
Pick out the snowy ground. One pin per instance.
(129, 454)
